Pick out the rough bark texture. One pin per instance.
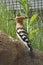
(13, 52)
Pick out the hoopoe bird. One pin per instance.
(22, 33)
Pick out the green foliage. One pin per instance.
(24, 5)
(7, 26)
(33, 18)
(32, 33)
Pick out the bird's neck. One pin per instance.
(19, 25)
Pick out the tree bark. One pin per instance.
(13, 52)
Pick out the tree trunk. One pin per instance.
(13, 52)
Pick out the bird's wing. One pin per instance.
(23, 35)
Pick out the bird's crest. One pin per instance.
(20, 17)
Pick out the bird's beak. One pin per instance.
(11, 19)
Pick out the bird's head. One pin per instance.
(20, 18)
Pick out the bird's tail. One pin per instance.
(31, 53)
(29, 45)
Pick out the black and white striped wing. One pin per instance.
(23, 35)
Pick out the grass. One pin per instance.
(8, 27)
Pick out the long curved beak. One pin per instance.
(11, 19)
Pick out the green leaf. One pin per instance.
(25, 5)
(33, 18)
(32, 33)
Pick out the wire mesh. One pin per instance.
(36, 5)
